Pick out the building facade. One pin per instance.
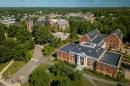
(61, 24)
(29, 24)
(90, 56)
(114, 40)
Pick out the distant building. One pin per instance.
(8, 21)
(51, 16)
(29, 24)
(62, 24)
(62, 36)
(114, 40)
(89, 16)
(40, 21)
(74, 15)
(90, 56)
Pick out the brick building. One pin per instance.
(114, 40)
(94, 36)
(29, 24)
(109, 63)
(62, 24)
(90, 56)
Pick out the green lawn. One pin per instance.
(29, 54)
(105, 77)
(100, 75)
(26, 84)
(3, 65)
(102, 84)
(13, 69)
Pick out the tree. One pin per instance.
(74, 37)
(65, 75)
(12, 30)
(2, 33)
(22, 36)
(47, 50)
(54, 42)
(39, 78)
(42, 34)
(61, 69)
(7, 50)
(61, 81)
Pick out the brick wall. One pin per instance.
(84, 38)
(106, 69)
(90, 63)
(64, 56)
(113, 42)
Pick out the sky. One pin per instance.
(64, 3)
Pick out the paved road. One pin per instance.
(24, 72)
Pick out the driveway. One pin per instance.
(23, 74)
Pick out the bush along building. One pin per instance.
(91, 54)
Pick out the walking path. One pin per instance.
(23, 74)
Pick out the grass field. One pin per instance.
(102, 84)
(13, 69)
(3, 65)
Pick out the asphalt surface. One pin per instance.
(23, 74)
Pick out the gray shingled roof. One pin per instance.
(62, 22)
(89, 51)
(119, 34)
(92, 34)
(111, 58)
(99, 39)
(67, 48)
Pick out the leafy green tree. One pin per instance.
(7, 50)
(39, 78)
(47, 50)
(61, 69)
(62, 81)
(2, 33)
(42, 34)
(12, 30)
(54, 42)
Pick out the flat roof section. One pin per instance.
(89, 51)
(67, 48)
(111, 58)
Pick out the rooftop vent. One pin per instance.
(89, 51)
(79, 48)
(88, 44)
(96, 50)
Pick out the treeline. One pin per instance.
(47, 10)
(15, 43)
